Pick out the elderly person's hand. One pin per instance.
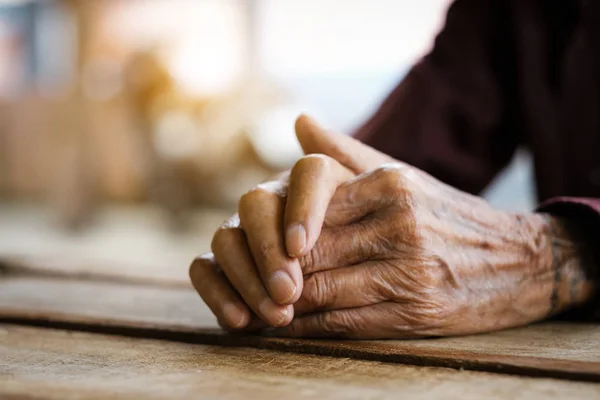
(254, 271)
(389, 253)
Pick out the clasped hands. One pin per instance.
(352, 243)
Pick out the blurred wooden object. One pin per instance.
(198, 149)
(30, 148)
(74, 191)
(95, 153)
(124, 130)
(4, 165)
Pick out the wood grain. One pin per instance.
(55, 364)
(561, 350)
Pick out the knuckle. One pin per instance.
(269, 250)
(434, 273)
(395, 183)
(432, 306)
(253, 196)
(307, 261)
(202, 271)
(432, 313)
(352, 325)
(327, 323)
(259, 196)
(391, 179)
(197, 269)
(319, 291)
(431, 278)
(312, 163)
(225, 237)
(340, 323)
(424, 317)
(386, 285)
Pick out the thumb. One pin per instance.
(346, 150)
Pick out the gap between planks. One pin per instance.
(544, 350)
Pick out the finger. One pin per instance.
(357, 225)
(217, 293)
(355, 286)
(379, 321)
(344, 246)
(261, 215)
(233, 255)
(345, 149)
(313, 181)
(369, 193)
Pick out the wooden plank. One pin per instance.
(560, 350)
(55, 364)
(75, 267)
(126, 244)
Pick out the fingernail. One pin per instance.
(272, 311)
(281, 287)
(295, 239)
(235, 317)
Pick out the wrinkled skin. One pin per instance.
(384, 251)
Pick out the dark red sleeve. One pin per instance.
(586, 211)
(452, 116)
(575, 207)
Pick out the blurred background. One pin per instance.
(129, 128)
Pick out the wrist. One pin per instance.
(567, 256)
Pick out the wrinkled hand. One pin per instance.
(413, 257)
(252, 270)
(389, 253)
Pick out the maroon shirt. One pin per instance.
(504, 74)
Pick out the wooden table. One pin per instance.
(58, 364)
(88, 332)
